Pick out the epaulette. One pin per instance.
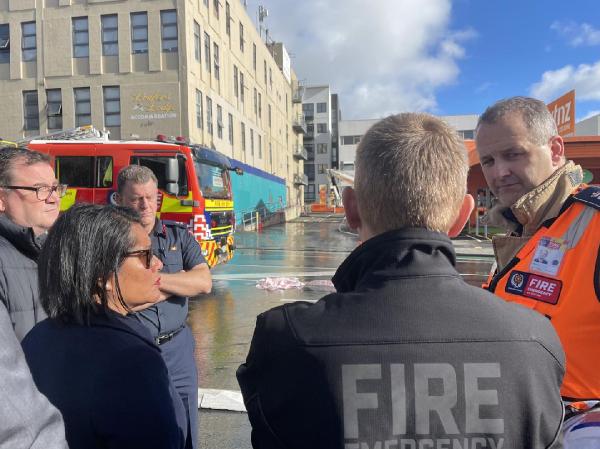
(174, 224)
(590, 196)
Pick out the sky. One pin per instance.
(446, 57)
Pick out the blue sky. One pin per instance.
(441, 56)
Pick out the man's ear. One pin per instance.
(118, 198)
(351, 208)
(557, 148)
(2, 200)
(464, 213)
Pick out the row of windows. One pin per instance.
(210, 125)
(309, 108)
(109, 33)
(321, 128)
(350, 140)
(83, 109)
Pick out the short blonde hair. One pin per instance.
(411, 171)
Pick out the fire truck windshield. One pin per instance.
(214, 181)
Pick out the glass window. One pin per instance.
(251, 141)
(321, 107)
(265, 70)
(4, 43)
(321, 168)
(31, 114)
(230, 117)
(322, 148)
(110, 35)
(227, 19)
(243, 131)
(269, 116)
(219, 122)
(158, 164)
(112, 105)
(139, 32)
(28, 41)
(321, 127)
(209, 116)
(199, 118)
(197, 41)
(254, 57)
(54, 108)
(235, 81)
(81, 48)
(83, 109)
(308, 109)
(214, 181)
(255, 101)
(259, 146)
(241, 86)
(207, 51)
(241, 37)
(216, 59)
(259, 105)
(168, 30)
(310, 150)
(310, 128)
(75, 171)
(216, 8)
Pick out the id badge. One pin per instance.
(548, 257)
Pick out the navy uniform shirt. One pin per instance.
(178, 250)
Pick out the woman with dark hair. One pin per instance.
(92, 358)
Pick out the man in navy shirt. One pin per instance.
(185, 273)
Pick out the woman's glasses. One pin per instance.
(144, 254)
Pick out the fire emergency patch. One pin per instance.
(534, 286)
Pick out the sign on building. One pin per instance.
(563, 111)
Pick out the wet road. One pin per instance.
(223, 322)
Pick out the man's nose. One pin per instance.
(502, 169)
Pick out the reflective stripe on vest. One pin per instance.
(557, 273)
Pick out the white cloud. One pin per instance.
(585, 79)
(588, 115)
(577, 34)
(381, 56)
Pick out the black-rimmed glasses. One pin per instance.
(144, 254)
(42, 192)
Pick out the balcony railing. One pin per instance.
(300, 152)
(300, 179)
(298, 93)
(299, 124)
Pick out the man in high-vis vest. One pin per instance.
(549, 259)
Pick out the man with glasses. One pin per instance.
(29, 206)
(184, 274)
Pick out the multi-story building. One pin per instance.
(321, 141)
(139, 68)
(351, 132)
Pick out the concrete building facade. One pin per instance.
(138, 68)
(588, 127)
(322, 114)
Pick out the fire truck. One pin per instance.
(194, 181)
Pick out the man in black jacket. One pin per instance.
(405, 355)
(29, 206)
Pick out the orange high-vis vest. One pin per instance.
(557, 273)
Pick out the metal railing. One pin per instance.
(299, 124)
(300, 179)
(300, 152)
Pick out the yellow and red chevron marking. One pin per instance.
(208, 250)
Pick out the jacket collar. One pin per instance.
(130, 324)
(21, 237)
(403, 252)
(159, 228)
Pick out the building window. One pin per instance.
(139, 32)
(81, 48)
(207, 51)
(28, 41)
(251, 141)
(196, 41)
(209, 116)
(227, 19)
(259, 146)
(321, 107)
(310, 128)
(269, 116)
(271, 154)
(110, 35)
(206, 3)
(310, 150)
(168, 30)
(265, 70)
(216, 8)
(322, 148)
(4, 43)
(350, 140)
(199, 118)
(241, 37)
(219, 122)
(243, 128)
(242, 87)
(466, 134)
(270, 78)
(235, 81)
(83, 107)
(54, 108)
(308, 109)
(254, 57)
(259, 105)
(230, 117)
(31, 113)
(216, 60)
(112, 105)
(321, 128)
(255, 102)
(321, 168)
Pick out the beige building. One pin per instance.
(138, 68)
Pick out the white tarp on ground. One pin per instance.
(221, 400)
